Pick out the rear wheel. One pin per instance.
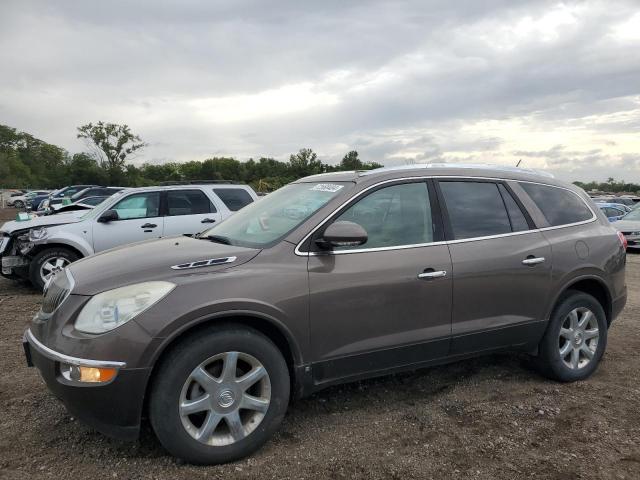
(575, 339)
(18, 204)
(49, 262)
(219, 396)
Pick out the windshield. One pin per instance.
(101, 207)
(274, 216)
(633, 215)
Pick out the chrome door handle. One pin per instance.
(432, 274)
(533, 260)
(149, 225)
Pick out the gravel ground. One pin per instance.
(490, 418)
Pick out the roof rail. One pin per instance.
(478, 166)
(196, 182)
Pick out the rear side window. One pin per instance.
(559, 206)
(475, 209)
(187, 202)
(234, 198)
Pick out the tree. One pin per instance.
(305, 162)
(111, 144)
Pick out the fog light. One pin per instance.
(88, 374)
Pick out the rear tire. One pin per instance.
(212, 417)
(575, 339)
(47, 262)
(18, 204)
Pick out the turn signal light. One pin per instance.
(89, 374)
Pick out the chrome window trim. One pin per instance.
(301, 253)
(62, 358)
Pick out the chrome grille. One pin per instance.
(56, 291)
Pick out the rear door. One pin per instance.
(501, 266)
(139, 219)
(188, 212)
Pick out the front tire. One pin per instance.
(219, 395)
(18, 204)
(575, 340)
(47, 263)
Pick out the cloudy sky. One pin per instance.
(556, 85)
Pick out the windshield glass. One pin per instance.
(94, 212)
(633, 215)
(274, 216)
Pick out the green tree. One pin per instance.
(305, 162)
(112, 145)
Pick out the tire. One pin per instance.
(59, 257)
(564, 332)
(174, 387)
(18, 204)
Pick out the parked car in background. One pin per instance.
(629, 226)
(92, 191)
(628, 201)
(37, 248)
(21, 201)
(57, 198)
(621, 206)
(34, 202)
(613, 211)
(79, 206)
(333, 278)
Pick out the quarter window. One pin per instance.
(559, 206)
(139, 205)
(475, 209)
(234, 198)
(188, 202)
(393, 216)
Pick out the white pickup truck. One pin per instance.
(37, 248)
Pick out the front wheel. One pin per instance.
(219, 395)
(18, 204)
(47, 263)
(575, 339)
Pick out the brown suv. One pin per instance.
(333, 278)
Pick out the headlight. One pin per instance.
(38, 234)
(112, 308)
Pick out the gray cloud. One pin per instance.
(405, 81)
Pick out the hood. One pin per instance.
(44, 221)
(151, 260)
(627, 225)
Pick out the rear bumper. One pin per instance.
(113, 408)
(617, 305)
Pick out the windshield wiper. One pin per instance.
(217, 239)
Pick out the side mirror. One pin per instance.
(108, 216)
(343, 234)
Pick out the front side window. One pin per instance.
(188, 202)
(273, 217)
(234, 198)
(558, 205)
(475, 209)
(393, 216)
(138, 205)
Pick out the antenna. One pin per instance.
(519, 162)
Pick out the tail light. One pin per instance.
(623, 240)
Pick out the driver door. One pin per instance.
(387, 303)
(139, 218)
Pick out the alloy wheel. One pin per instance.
(225, 398)
(51, 266)
(578, 339)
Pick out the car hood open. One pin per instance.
(153, 260)
(44, 221)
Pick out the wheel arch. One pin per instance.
(48, 246)
(273, 329)
(592, 285)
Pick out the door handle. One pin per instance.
(208, 220)
(531, 260)
(430, 274)
(149, 225)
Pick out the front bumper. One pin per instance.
(112, 408)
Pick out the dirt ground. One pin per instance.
(490, 418)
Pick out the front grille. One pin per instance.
(56, 292)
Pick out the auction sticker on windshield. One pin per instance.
(326, 187)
